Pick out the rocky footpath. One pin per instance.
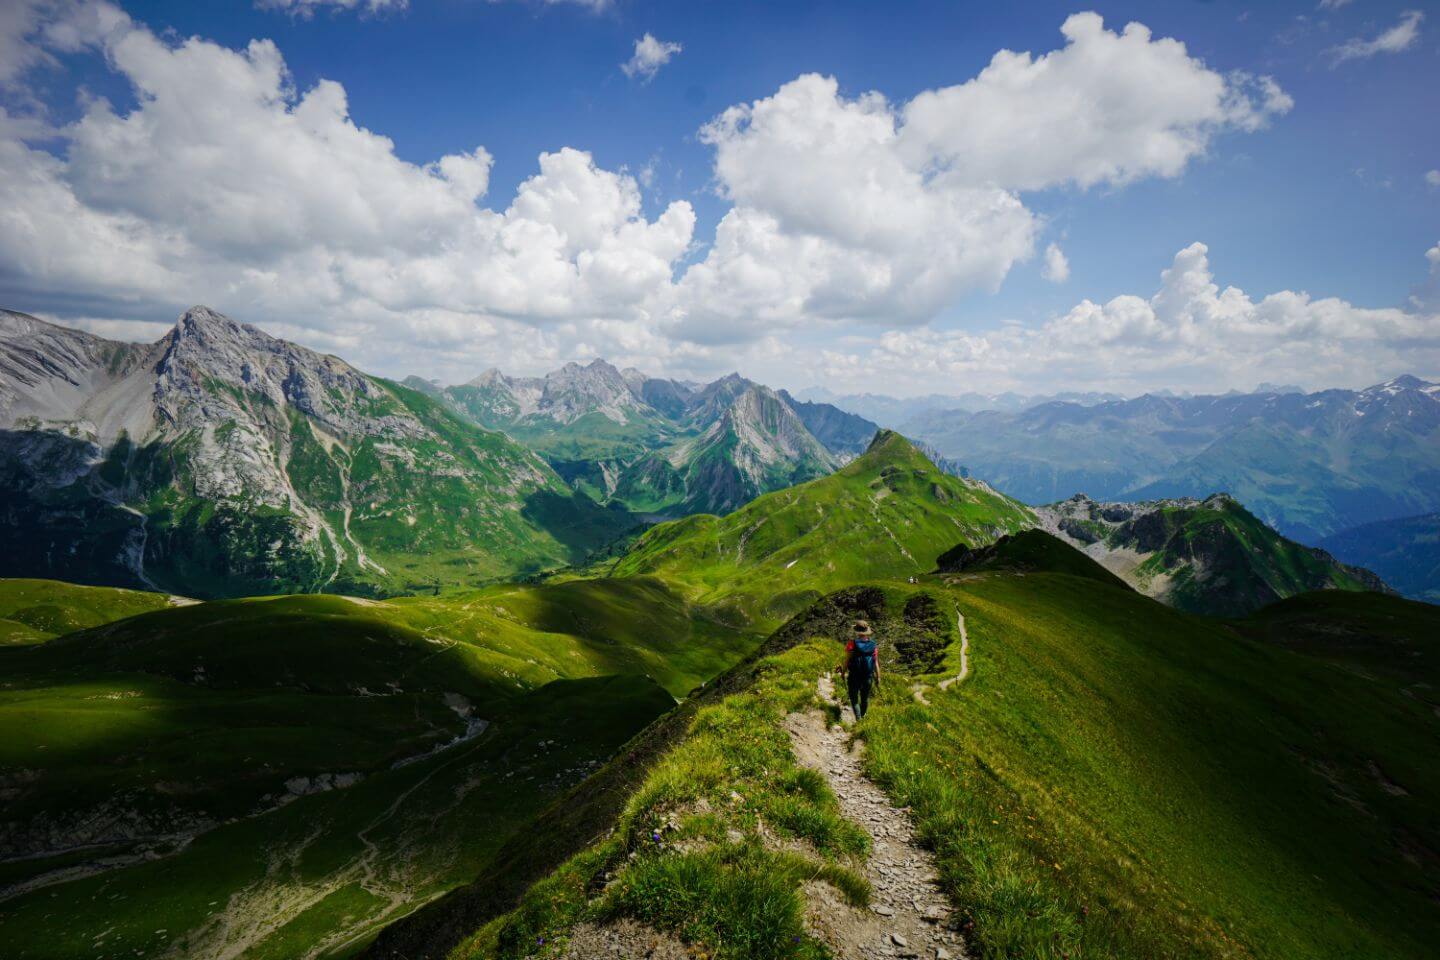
(909, 916)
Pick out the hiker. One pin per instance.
(861, 668)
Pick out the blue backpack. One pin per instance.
(862, 658)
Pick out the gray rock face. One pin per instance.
(309, 468)
(48, 371)
(683, 447)
(1207, 556)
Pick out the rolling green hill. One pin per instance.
(32, 611)
(281, 776)
(1114, 779)
(889, 512)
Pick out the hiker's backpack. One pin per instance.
(862, 658)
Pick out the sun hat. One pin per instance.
(862, 628)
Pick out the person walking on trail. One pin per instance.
(861, 668)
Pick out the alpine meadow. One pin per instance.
(590, 479)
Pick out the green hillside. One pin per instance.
(1114, 779)
(36, 610)
(887, 513)
(286, 774)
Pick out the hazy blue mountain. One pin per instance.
(1405, 551)
(901, 412)
(1308, 464)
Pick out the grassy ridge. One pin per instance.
(887, 513)
(1115, 779)
(1244, 563)
(35, 610)
(1121, 780)
(716, 842)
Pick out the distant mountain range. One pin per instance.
(1406, 552)
(1308, 464)
(898, 412)
(661, 446)
(220, 461)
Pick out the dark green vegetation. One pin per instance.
(1211, 556)
(1023, 552)
(32, 611)
(1405, 552)
(1309, 464)
(887, 513)
(323, 753)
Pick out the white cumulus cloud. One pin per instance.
(855, 208)
(650, 55)
(220, 181)
(1191, 333)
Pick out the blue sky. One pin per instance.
(1326, 197)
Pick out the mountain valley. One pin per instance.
(534, 651)
(660, 446)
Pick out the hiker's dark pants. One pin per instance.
(859, 688)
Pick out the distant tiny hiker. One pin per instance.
(861, 668)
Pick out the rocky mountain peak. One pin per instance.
(1403, 382)
(489, 378)
(212, 327)
(597, 387)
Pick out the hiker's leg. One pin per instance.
(864, 698)
(854, 689)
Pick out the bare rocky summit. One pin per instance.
(222, 460)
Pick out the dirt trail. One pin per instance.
(918, 690)
(908, 915)
(964, 654)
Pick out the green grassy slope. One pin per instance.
(1114, 779)
(1026, 551)
(295, 739)
(1247, 564)
(1119, 779)
(889, 512)
(36, 610)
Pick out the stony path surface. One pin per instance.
(908, 915)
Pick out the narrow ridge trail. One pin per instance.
(908, 916)
(918, 690)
